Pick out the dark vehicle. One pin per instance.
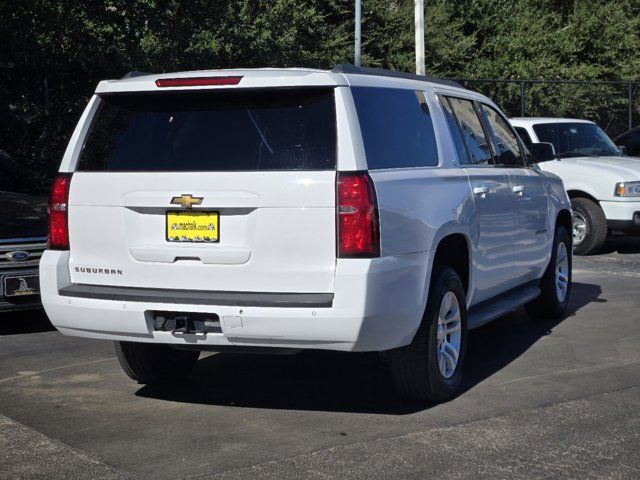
(23, 236)
(631, 141)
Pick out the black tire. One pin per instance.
(596, 224)
(548, 305)
(414, 368)
(151, 363)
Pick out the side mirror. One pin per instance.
(542, 152)
(623, 149)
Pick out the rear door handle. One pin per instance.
(481, 191)
(518, 189)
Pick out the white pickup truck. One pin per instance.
(603, 184)
(354, 209)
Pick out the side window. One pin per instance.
(548, 132)
(524, 135)
(633, 144)
(397, 128)
(472, 132)
(463, 156)
(507, 148)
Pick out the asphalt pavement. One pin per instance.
(540, 400)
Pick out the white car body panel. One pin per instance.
(596, 176)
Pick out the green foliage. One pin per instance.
(54, 52)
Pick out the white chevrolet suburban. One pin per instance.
(354, 209)
(603, 184)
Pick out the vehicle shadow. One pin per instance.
(348, 382)
(494, 346)
(24, 321)
(622, 245)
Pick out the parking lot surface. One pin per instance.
(540, 400)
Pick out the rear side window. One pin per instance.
(463, 157)
(397, 128)
(213, 131)
(472, 131)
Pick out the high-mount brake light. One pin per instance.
(58, 210)
(197, 81)
(357, 216)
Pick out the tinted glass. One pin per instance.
(472, 132)
(576, 139)
(275, 130)
(22, 202)
(14, 179)
(505, 139)
(396, 126)
(630, 140)
(524, 136)
(463, 157)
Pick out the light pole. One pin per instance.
(358, 20)
(419, 20)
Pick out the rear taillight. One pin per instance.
(357, 216)
(58, 207)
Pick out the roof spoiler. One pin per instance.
(134, 74)
(381, 72)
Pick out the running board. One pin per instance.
(489, 310)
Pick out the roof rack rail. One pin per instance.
(381, 72)
(134, 74)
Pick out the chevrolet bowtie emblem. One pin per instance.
(186, 200)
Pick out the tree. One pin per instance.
(55, 52)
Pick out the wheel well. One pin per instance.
(580, 194)
(564, 219)
(453, 251)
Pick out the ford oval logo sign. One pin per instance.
(18, 256)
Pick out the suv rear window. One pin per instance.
(213, 131)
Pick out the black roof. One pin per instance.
(381, 72)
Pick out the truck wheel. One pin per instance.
(555, 285)
(430, 367)
(152, 363)
(589, 226)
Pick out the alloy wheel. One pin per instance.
(562, 272)
(580, 228)
(449, 334)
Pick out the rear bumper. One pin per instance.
(377, 305)
(235, 299)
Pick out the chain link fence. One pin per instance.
(611, 104)
(39, 108)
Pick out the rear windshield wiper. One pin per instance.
(255, 124)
